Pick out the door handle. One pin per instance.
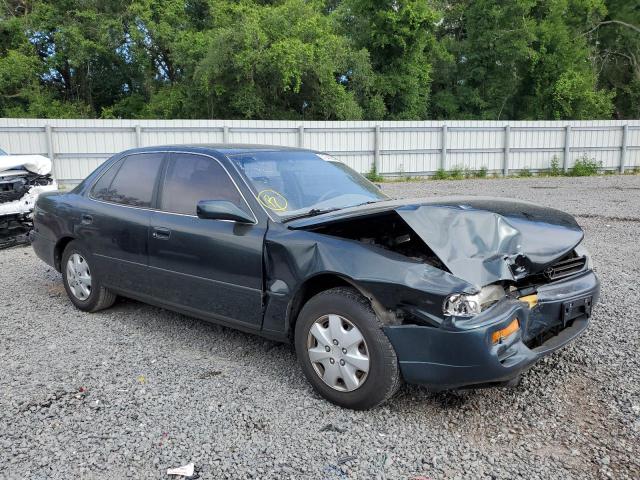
(86, 219)
(161, 233)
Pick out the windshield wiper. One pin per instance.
(311, 213)
(367, 203)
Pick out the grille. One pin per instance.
(14, 188)
(565, 268)
(10, 195)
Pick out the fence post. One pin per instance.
(225, 134)
(623, 150)
(300, 136)
(138, 136)
(507, 150)
(567, 148)
(376, 149)
(443, 153)
(50, 153)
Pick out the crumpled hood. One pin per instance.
(34, 163)
(480, 240)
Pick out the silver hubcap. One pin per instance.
(79, 276)
(338, 353)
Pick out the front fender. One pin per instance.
(393, 282)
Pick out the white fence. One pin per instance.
(395, 148)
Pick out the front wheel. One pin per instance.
(81, 281)
(343, 351)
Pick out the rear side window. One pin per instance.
(129, 181)
(191, 178)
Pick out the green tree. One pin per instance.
(520, 59)
(80, 46)
(617, 38)
(284, 61)
(320, 59)
(399, 36)
(168, 39)
(561, 82)
(487, 46)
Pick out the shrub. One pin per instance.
(456, 173)
(584, 167)
(555, 170)
(440, 174)
(525, 172)
(373, 175)
(482, 173)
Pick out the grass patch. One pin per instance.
(459, 173)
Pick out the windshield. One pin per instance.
(294, 183)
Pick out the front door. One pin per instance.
(209, 267)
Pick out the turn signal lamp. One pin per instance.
(499, 335)
(532, 300)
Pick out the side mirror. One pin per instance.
(222, 210)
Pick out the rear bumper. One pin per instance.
(44, 248)
(452, 358)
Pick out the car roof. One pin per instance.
(221, 148)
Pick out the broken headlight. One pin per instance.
(461, 305)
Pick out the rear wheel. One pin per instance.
(81, 281)
(343, 351)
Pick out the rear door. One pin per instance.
(114, 223)
(212, 268)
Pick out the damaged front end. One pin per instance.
(471, 290)
(22, 179)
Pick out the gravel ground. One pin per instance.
(133, 390)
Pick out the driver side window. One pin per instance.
(191, 178)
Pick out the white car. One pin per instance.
(22, 179)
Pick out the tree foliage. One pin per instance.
(618, 61)
(320, 59)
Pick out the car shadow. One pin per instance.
(274, 361)
(209, 339)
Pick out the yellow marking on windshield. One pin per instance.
(273, 200)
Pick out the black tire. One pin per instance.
(100, 297)
(383, 378)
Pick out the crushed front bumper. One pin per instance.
(462, 356)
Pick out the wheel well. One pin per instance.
(312, 287)
(59, 250)
(323, 282)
